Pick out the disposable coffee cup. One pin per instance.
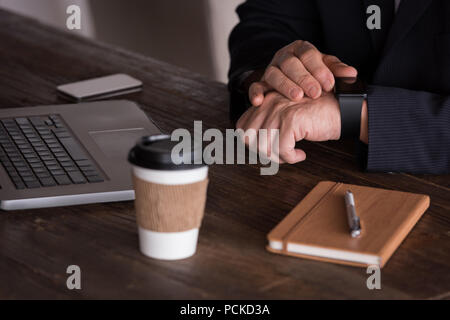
(170, 197)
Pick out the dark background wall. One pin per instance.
(171, 30)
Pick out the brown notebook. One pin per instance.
(317, 227)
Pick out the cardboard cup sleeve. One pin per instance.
(169, 208)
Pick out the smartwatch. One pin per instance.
(350, 93)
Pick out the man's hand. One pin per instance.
(309, 119)
(298, 70)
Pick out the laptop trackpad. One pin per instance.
(117, 143)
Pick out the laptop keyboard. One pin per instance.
(40, 151)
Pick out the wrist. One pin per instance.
(337, 120)
(364, 130)
(321, 120)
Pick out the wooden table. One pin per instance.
(36, 246)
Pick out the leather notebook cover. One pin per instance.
(317, 227)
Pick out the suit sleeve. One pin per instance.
(409, 131)
(265, 27)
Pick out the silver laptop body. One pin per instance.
(105, 131)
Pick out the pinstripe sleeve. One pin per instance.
(409, 131)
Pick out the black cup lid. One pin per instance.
(155, 152)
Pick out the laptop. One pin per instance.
(71, 154)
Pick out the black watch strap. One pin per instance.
(350, 115)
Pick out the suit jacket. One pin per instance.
(408, 74)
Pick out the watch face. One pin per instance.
(350, 86)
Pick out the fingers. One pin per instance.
(294, 69)
(312, 59)
(266, 139)
(292, 156)
(298, 70)
(240, 124)
(256, 92)
(250, 122)
(277, 80)
(339, 68)
(288, 134)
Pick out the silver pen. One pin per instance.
(353, 219)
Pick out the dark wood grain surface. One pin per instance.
(36, 246)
